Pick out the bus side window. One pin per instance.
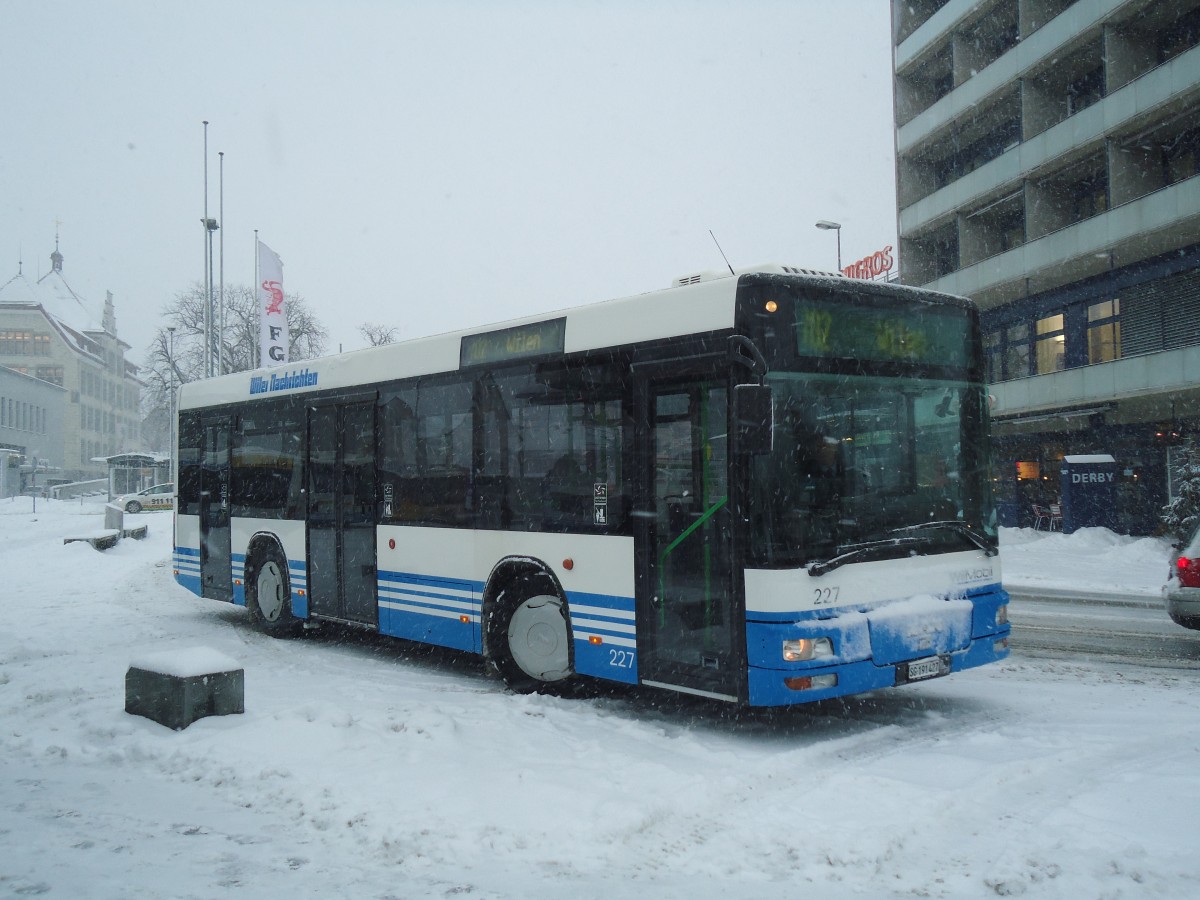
(444, 431)
(398, 468)
(562, 442)
(267, 461)
(191, 456)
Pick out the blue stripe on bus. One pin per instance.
(298, 580)
(412, 607)
(604, 632)
(237, 575)
(185, 561)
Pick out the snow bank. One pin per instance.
(1096, 561)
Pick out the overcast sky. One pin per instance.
(433, 166)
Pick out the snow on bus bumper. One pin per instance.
(810, 658)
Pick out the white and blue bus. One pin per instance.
(767, 488)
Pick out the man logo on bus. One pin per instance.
(276, 291)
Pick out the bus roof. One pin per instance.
(694, 304)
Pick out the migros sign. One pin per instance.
(871, 266)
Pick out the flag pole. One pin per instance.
(207, 287)
(258, 303)
(221, 290)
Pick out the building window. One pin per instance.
(991, 353)
(1051, 344)
(15, 343)
(1086, 89)
(1089, 196)
(1008, 352)
(1104, 331)
(1181, 156)
(1016, 351)
(1183, 34)
(52, 374)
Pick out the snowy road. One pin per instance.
(1075, 627)
(370, 768)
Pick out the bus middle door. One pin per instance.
(686, 606)
(341, 513)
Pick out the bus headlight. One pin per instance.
(802, 649)
(1002, 614)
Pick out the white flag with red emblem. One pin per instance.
(273, 331)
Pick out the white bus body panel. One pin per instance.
(431, 588)
(778, 593)
(291, 535)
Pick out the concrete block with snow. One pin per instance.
(177, 687)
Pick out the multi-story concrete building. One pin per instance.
(49, 332)
(1048, 154)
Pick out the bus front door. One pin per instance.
(341, 513)
(686, 607)
(216, 577)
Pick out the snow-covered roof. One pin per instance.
(68, 310)
(58, 299)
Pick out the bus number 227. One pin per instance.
(622, 659)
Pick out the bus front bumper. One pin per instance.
(789, 687)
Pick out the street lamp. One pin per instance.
(210, 225)
(826, 225)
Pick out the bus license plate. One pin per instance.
(927, 668)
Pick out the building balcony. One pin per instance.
(1154, 387)
(1165, 220)
(1051, 40)
(1160, 93)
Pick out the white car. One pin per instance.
(161, 496)
(1182, 590)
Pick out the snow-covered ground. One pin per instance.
(371, 768)
(1092, 561)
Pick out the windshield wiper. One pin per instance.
(908, 539)
(861, 552)
(961, 528)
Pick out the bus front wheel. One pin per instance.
(528, 638)
(268, 595)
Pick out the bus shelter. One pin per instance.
(131, 472)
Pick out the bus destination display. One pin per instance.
(843, 331)
(538, 339)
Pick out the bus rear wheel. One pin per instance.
(268, 595)
(528, 639)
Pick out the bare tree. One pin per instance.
(179, 357)
(377, 335)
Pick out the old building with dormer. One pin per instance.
(52, 333)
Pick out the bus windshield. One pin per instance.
(880, 415)
(860, 459)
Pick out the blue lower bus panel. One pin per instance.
(186, 563)
(857, 651)
(605, 636)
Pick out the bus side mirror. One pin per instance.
(754, 418)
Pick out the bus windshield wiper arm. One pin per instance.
(956, 526)
(861, 552)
